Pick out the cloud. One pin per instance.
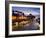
(35, 13)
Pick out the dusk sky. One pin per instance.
(27, 10)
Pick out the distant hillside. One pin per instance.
(18, 13)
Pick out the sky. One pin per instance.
(27, 10)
